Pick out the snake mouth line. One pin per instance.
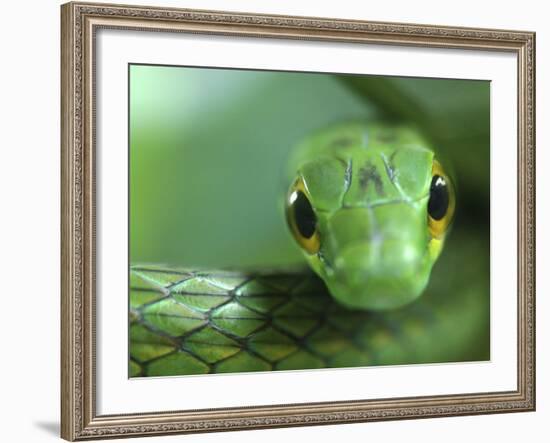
(327, 263)
(330, 267)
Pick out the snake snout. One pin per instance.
(380, 262)
(392, 279)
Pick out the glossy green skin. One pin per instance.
(185, 322)
(369, 187)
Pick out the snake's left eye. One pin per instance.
(302, 219)
(441, 205)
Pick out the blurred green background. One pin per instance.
(209, 147)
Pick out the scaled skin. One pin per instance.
(369, 188)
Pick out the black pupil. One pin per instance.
(439, 198)
(304, 216)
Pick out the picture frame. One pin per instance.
(81, 241)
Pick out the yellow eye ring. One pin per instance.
(441, 205)
(301, 218)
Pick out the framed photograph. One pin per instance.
(282, 221)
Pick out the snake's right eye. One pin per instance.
(441, 205)
(302, 219)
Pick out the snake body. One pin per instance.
(369, 230)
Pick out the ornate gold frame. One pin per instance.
(79, 22)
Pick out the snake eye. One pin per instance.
(441, 205)
(302, 219)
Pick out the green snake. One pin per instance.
(370, 206)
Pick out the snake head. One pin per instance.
(371, 216)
